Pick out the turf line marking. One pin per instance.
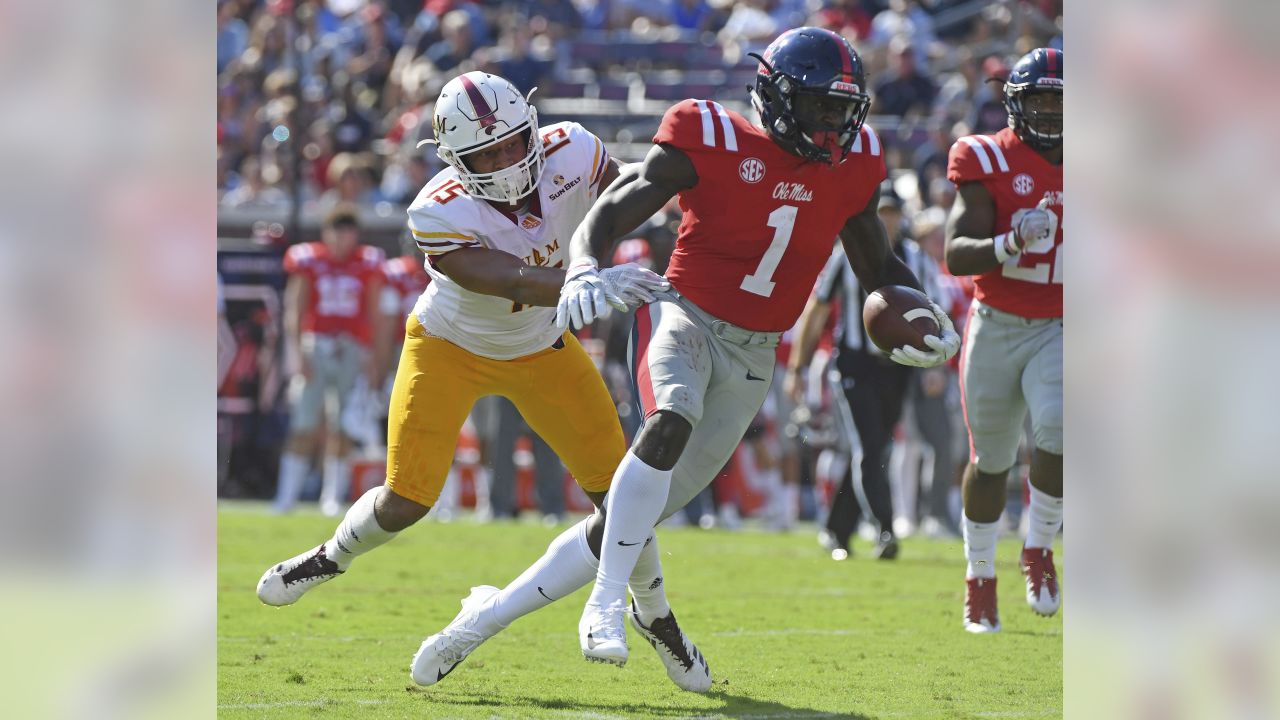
(785, 633)
(298, 703)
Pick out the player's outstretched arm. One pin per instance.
(493, 272)
(640, 191)
(867, 246)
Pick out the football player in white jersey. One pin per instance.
(495, 226)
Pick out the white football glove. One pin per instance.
(632, 284)
(582, 297)
(944, 345)
(1032, 226)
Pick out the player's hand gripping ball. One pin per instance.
(910, 327)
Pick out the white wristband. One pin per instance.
(1002, 247)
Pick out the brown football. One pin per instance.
(896, 315)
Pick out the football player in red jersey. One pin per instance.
(330, 308)
(1006, 230)
(762, 205)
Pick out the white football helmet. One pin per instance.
(477, 110)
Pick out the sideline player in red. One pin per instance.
(761, 208)
(1006, 229)
(330, 307)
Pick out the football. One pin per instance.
(896, 315)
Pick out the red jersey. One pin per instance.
(339, 289)
(1030, 283)
(759, 225)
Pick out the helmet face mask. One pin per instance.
(477, 111)
(809, 94)
(1033, 98)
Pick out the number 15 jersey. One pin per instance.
(759, 225)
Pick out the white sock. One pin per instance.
(566, 566)
(293, 472)
(635, 501)
(647, 587)
(336, 479)
(980, 548)
(1046, 519)
(358, 533)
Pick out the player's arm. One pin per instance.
(867, 246)
(297, 294)
(634, 196)
(612, 170)
(376, 319)
(493, 272)
(970, 247)
(808, 331)
(875, 264)
(639, 191)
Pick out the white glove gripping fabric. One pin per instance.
(1032, 226)
(582, 298)
(632, 284)
(945, 345)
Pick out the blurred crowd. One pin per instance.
(325, 100)
(336, 94)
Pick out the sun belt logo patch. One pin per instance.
(751, 170)
(1023, 184)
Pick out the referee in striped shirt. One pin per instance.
(872, 387)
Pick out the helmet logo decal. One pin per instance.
(751, 170)
(1023, 184)
(841, 86)
(484, 113)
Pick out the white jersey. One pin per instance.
(444, 218)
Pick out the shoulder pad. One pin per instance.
(973, 157)
(697, 125)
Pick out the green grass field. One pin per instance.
(788, 633)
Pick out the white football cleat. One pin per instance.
(441, 653)
(601, 633)
(685, 665)
(284, 583)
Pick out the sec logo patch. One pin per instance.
(1023, 184)
(751, 170)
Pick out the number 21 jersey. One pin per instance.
(1028, 284)
(759, 225)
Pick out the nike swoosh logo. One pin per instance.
(753, 377)
(591, 642)
(543, 594)
(627, 544)
(441, 673)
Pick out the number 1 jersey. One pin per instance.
(759, 225)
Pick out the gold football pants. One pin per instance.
(558, 391)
